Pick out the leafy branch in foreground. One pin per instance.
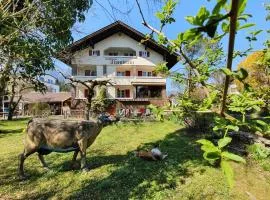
(205, 25)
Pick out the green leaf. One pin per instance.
(233, 157)
(257, 108)
(191, 20)
(224, 142)
(261, 122)
(241, 6)
(246, 26)
(228, 172)
(205, 142)
(226, 71)
(211, 30)
(202, 15)
(241, 74)
(211, 157)
(208, 148)
(225, 27)
(232, 127)
(218, 6)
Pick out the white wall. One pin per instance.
(117, 40)
(50, 82)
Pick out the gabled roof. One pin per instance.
(48, 97)
(119, 26)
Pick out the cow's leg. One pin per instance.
(27, 152)
(83, 147)
(42, 161)
(75, 156)
(74, 164)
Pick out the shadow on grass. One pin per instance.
(138, 179)
(131, 177)
(11, 131)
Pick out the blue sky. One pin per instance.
(97, 18)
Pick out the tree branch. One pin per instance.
(192, 66)
(233, 21)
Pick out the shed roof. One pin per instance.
(48, 97)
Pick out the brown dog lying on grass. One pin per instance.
(153, 155)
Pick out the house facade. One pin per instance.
(50, 83)
(116, 52)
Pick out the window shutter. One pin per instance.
(139, 73)
(140, 53)
(148, 54)
(127, 73)
(86, 92)
(127, 94)
(90, 52)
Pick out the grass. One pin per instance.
(117, 174)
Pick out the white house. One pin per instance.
(116, 52)
(50, 82)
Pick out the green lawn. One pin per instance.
(117, 174)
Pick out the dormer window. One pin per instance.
(94, 52)
(144, 54)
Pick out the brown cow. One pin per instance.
(46, 135)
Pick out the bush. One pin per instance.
(200, 121)
(40, 110)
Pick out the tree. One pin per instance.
(31, 34)
(91, 85)
(17, 85)
(258, 75)
(64, 87)
(229, 16)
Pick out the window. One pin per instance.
(74, 71)
(94, 53)
(87, 72)
(143, 73)
(123, 93)
(144, 54)
(104, 70)
(50, 81)
(148, 91)
(41, 79)
(120, 74)
(127, 73)
(113, 54)
(90, 73)
(86, 92)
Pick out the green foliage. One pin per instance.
(100, 103)
(165, 15)
(40, 110)
(215, 156)
(259, 151)
(200, 18)
(200, 66)
(244, 102)
(162, 69)
(157, 111)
